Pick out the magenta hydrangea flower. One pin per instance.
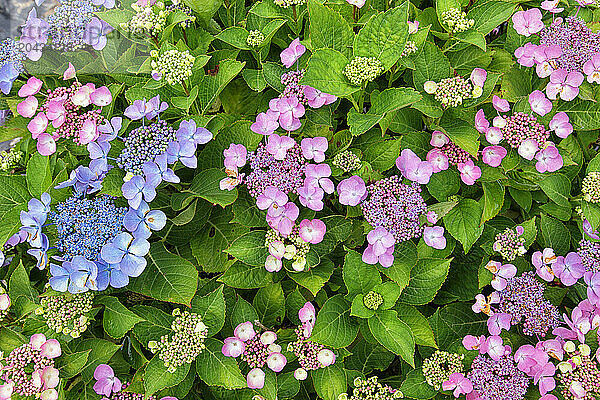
(478, 77)
(30, 88)
(256, 378)
(502, 272)
(46, 145)
(271, 197)
(481, 123)
(544, 56)
(311, 197)
(318, 175)
(244, 331)
(282, 219)
(316, 99)
(469, 172)
(528, 22)
(569, 269)
(528, 149)
(386, 259)
(312, 231)
(434, 237)
(233, 347)
(526, 54)
(290, 111)
(438, 160)
(458, 383)
(501, 105)
(560, 125)
(438, 139)
(563, 83)
(548, 160)
(279, 145)
(539, 103)
(314, 148)
(413, 168)
(292, 53)
(551, 6)
(542, 261)
(592, 68)
(28, 107)
(493, 155)
(352, 191)
(235, 156)
(266, 123)
(106, 381)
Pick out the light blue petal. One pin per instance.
(133, 265)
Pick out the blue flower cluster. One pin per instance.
(68, 23)
(11, 63)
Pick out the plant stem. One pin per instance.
(185, 89)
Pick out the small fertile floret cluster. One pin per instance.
(184, 344)
(65, 113)
(67, 313)
(590, 255)
(580, 375)
(289, 3)
(144, 144)
(257, 350)
(409, 48)
(457, 20)
(255, 38)
(85, 225)
(150, 19)
(438, 368)
(497, 379)
(373, 300)
(363, 69)
(10, 160)
(311, 355)
(510, 243)
(590, 187)
(123, 394)
(523, 299)
(29, 369)
(173, 66)
(371, 389)
(347, 161)
(523, 132)
(68, 24)
(11, 53)
(293, 88)
(451, 92)
(189, 13)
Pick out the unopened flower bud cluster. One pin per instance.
(4, 303)
(347, 161)
(457, 20)
(295, 248)
(590, 187)
(186, 342)
(371, 389)
(510, 244)
(409, 48)
(363, 69)
(10, 159)
(579, 373)
(173, 65)
(255, 38)
(451, 92)
(289, 3)
(67, 313)
(149, 20)
(373, 300)
(438, 368)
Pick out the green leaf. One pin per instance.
(558, 188)
(155, 323)
(325, 73)
(452, 322)
(206, 185)
(250, 248)
(426, 278)
(242, 312)
(243, 276)
(329, 30)
(488, 14)
(431, 65)
(384, 36)
(416, 387)
(393, 334)
(117, 319)
(334, 327)
(205, 9)
(315, 277)
(418, 324)
(112, 183)
(463, 134)
(287, 386)
(555, 234)
(584, 115)
(235, 36)
(390, 291)
(22, 295)
(463, 222)
(13, 199)
(71, 364)
(101, 352)
(329, 382)
(212, 310)
(493, 200)
(157, 377)
(367, 356)
(359, 276)
(217, 370)
(255, 79)
(358, 308)
(168, 277)
(212, 86)
(269, 303)
(39, 175)
(405, 258)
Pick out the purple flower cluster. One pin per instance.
(287, 174)
(520, 127)
(590, 255)
(580, 376)
(10, 53)
(523, 298)
(68, 24)
(445, 152)
(510, 243)
(497, 380)
(291, 81)
(395, 206)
